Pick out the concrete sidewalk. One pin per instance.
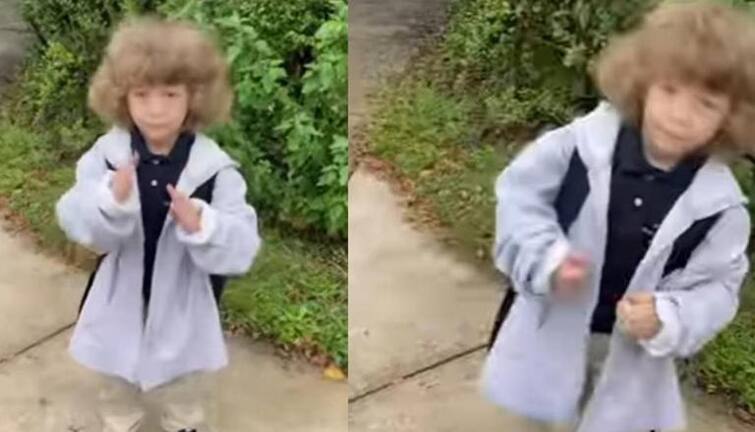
(411, 304)
(14, 39)
(43, 390)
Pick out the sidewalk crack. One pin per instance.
(35, 344)
(413, 374)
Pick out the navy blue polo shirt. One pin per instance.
(154, 172)
(640, 198)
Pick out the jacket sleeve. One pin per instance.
(529, 243)
(89, 214)
(228, 240)
(704, 298)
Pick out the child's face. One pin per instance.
(159, 111)
(681, 118)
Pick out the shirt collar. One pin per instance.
(630, 158)
(178, 154)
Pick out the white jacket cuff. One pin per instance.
(665, 342)
(110, 206)
(555, 255)
(208, 224)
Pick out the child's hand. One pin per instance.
(571, 276)
(638, 315)
(184, 211)
(123, 181)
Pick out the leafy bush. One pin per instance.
(289, 73)
(288, 27)
(289, 126)
(71, 36)
(530, 60)
(534, 55)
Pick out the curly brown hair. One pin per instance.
(151, 51)
(702, 42)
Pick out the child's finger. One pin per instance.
(176, 194)
(644, 330)
(620, 310)
(173, 212)
(577, 260)
(571, 275)
(644, 308)
(624, 310)
(172, 192)
(639, 298)
(647, 317)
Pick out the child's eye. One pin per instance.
(709, 104)
(668, 88)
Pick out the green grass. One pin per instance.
(727, 364)
(295, 295)
(32, 181)
(430, 137)
(436, 139)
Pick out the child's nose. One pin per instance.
(155, 105)
(680, 111)
(154, 108)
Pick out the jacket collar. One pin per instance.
(629, 158)
(713, 189)
(179, 153)
(205, 158)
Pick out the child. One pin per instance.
(629, 211)
(166, 208)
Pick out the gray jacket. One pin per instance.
(537, 364)
(182, 331)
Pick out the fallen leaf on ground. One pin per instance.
(334, 373)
